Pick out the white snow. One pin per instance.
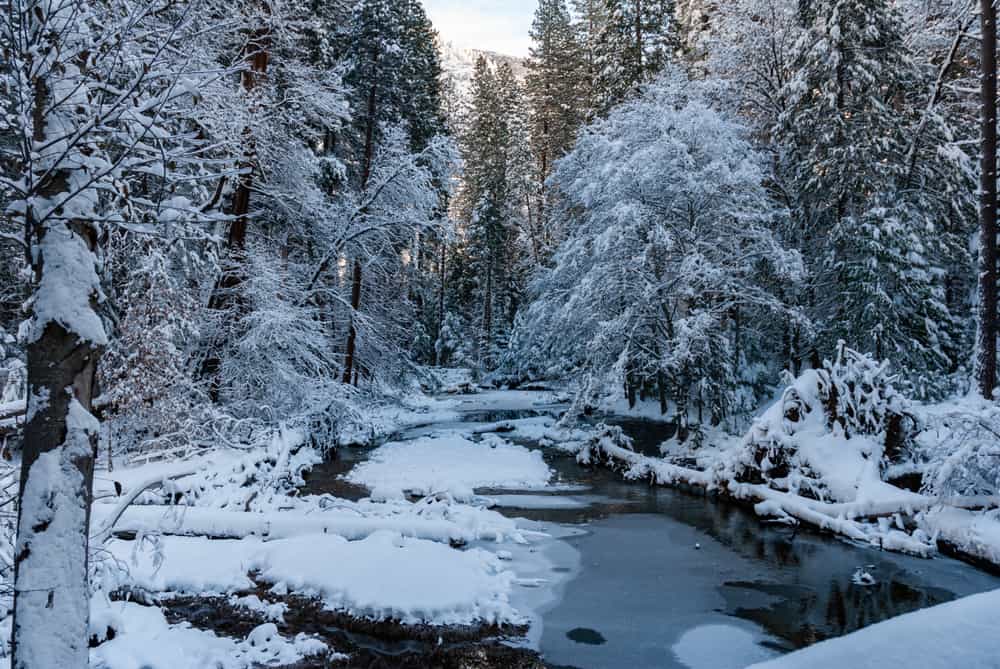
(67, 286)
(52, 580)
(452, 464)
(382, 576)
(389, 576)
(958, 634)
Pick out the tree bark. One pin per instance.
(51, 594)
(352, 335)
(442, 270)
(484, 355)
(369, 157)
(986, 364)
(257, 56)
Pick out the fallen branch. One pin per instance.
(846, 519)
(107, 529)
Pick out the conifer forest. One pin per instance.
(499, 334)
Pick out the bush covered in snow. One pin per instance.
(831, 433)
(604, 438)
(960, 450)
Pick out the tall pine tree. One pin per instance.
(556, 94)
(492, 207)
(876, 235)
(638, 39)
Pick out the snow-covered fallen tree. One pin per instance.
(823, 456)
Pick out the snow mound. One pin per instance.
(830, 435)
(452, 464)
(387, 576)
(384, 576)
(957, 634)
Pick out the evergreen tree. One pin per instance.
(591, 20)
(554, 90)
(637, 41)
(875, 232)
(491, 204)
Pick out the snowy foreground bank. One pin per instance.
(958, 634)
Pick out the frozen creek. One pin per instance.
(642, 577)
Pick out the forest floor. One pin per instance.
(407, 555)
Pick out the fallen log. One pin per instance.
(856, 521)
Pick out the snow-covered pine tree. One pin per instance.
(591, 18)
(491, 208)
(638, 40)
(875, 239)
(555, 92)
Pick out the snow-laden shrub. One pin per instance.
(149, 398)
(13, 374)
(279, 361)
(961, 447)
(831, 433)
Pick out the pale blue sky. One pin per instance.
(492, 25)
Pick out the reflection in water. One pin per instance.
(644, 585)
(800, 588)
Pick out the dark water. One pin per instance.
(672, 579)
(657, 563)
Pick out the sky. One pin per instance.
(490, 25)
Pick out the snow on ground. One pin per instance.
(437, 520)
(962, 634)
(451, 464)
(384, 576)
(227, 523)
(389, 576)
(144, 640)
(617, 405)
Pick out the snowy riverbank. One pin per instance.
(421, 551)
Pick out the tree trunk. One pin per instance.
(369, 156)
(661, 389)
(638, 44)
(51, 595)
(257, 56)
(352, 335)
(442, 271)
(484, 356)
(986, 364)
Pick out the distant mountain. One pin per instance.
(459, 65)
